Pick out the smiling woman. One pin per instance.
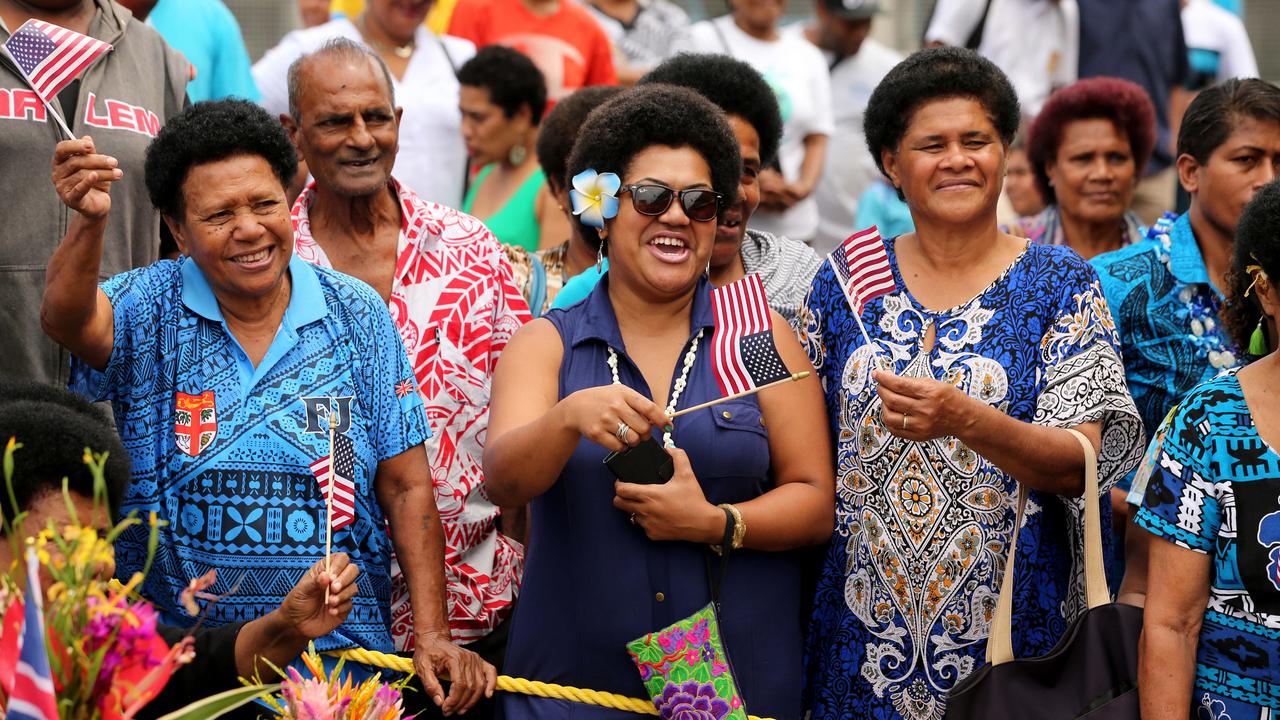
(953, 398)
(221, 366)
(611, 561)
(1088, 147)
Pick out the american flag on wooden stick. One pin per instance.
(51, 56)
(743, 354)
(344, 485)
(862, 264)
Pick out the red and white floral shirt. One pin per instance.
(456, 305)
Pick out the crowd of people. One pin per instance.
(388, 251)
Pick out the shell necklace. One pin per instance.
(404, 52)
(690, 355)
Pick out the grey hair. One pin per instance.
(339, 48)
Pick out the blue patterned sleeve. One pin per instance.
(1181, 502)
(1083, 375)
(399, 420)
(137, 301)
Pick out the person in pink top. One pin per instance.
(451, 294)
(560, 36)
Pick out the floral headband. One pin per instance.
(595, 197)
(1259, 275)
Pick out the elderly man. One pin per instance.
(451, 293)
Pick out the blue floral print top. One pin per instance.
(1166, 312)
(910, 578)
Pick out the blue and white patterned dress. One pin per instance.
(1216, 490)
(910, 578)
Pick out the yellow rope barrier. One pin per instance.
(521, 686)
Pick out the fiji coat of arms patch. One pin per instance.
(195, 421)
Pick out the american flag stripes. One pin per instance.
(344, 486)
(862, 264)
(743, 354)
(33, 697)
(52, 56)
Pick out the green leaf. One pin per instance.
(218, 705)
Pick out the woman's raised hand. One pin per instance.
(674, 510)
(83, 178)
(599, 413)
(922, 409)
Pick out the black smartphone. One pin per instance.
(646, 463)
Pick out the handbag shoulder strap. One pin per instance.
(1000, 644)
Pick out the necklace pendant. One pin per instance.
(405, 52)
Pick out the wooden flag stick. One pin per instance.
(328, 501)
(794, 377)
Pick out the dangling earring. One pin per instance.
(1258, 340)
(600, 257)
(707, 272)
(517, 155)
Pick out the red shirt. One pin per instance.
(568, 46)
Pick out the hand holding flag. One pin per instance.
(50, 57)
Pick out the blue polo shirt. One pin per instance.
(1167, 315)
(221, 450)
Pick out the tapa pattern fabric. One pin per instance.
(910, 579)
(1216, 490)
(247, 504)
(456, 305)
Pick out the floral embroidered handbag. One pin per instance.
(685, 667)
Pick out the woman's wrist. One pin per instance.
(710, 525)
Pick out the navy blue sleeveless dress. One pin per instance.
(593, 582)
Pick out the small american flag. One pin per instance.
(743, 354)
(51, 56)
(32, 697)
(344, 486)
(862, 264)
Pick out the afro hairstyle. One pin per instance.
(1256, 244)
(54, 428)
(937, 74)
(209, 132)
(735, 86)
(653, 115)
(510, 77)
(1124, 103)
(560, 128)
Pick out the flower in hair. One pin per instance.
(595, 197)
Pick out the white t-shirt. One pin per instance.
(1035, 42)
(1221, 36)
(798, 74)
(850, 169)
(432, 159)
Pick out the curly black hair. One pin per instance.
(1256, 244)
(560, 128)
(735, 86)
(644, 117)
(54, 428)
(937, 74)
(510, 77)
(208, 132)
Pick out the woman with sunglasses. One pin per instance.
(610, 561)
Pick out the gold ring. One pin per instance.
(904, 421)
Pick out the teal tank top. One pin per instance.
(516, 222)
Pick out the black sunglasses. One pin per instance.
(698, 203)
